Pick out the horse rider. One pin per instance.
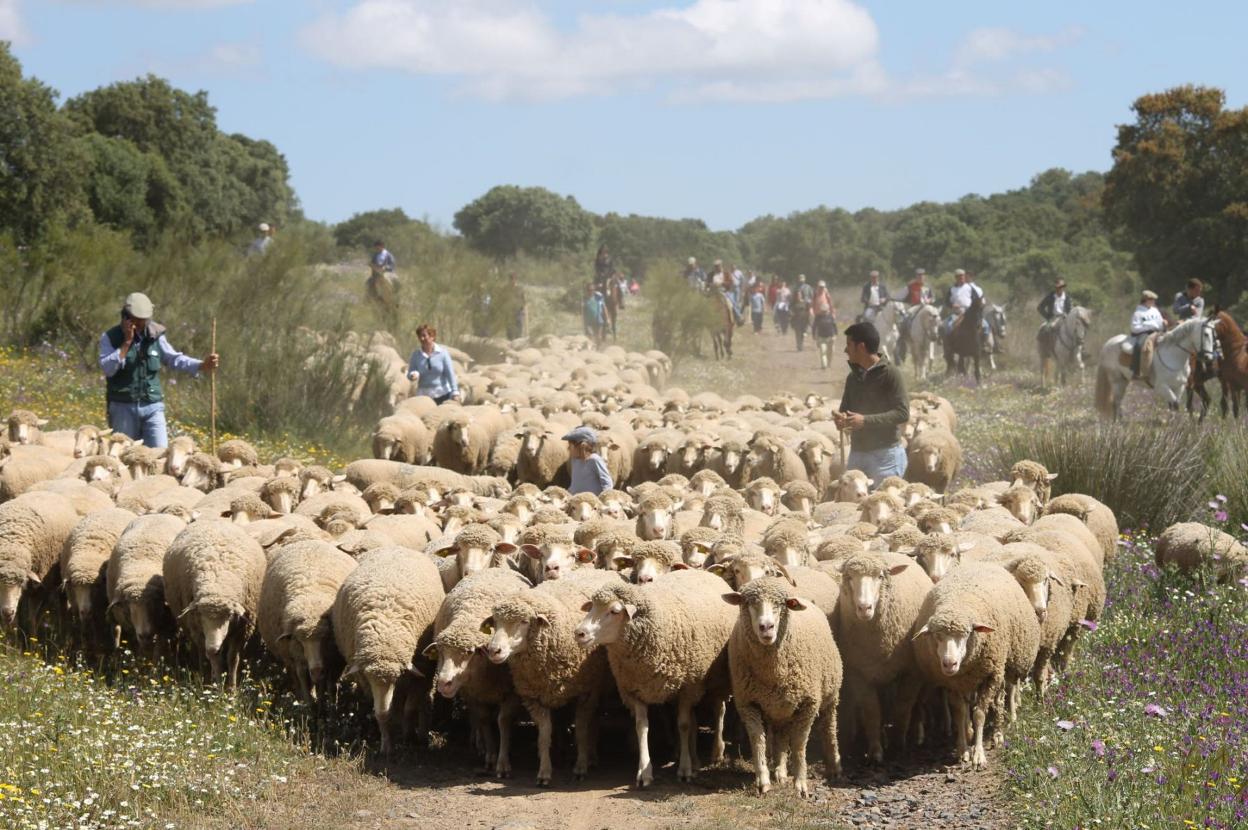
(1145, 321)
(958, 300)
(1056, 305)
(874, 296)
(1189, 303)
(694, 275)
(918, 294)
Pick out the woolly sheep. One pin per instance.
(136, 582)
(1033, 474)
(402, 437)
(543, 456)
(852, 486)
(934, 458)
(763, 494)
(836, 547)
(770, 458)
(25, 427)
(1188, 545)
(180, 449)
(34, 528)
(1074, 527)
(26, 466)
(880, 505)
(316, 507)
(84, 561)
(1022, 502)
(1100, 520)
(821, 587)
(282, 493)
(86, 498)
(665, 642)
(938, 553)
(800, 497)
(504, 455)
(835, 512)
(458, 647)
(880, 599)
(695, 545)
(655, 514)
(652, 559)
(993, 521)
(724, 512)
(548, 552)
(203, 472)
(213, 571)
(533, 634)
(786, 542)
(382, 617)
(706, 482)
(462, 444)
(296, 597)
(975, 636)
(786, 675)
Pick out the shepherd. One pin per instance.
(131, 355)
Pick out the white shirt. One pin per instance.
(875, 295)
(960, 295)
(1147, 319)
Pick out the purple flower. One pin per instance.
(1088, 624)
(1052, 771)
(1098, 748)
(1065, 725)
(1155, 711)
(1147, 770)
(1220, 516)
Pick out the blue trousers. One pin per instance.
(140, 421)
(879, 464)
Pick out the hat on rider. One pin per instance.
(958, 272)
(693, 260)
(801, 278)
(822, 284)
(1148, 295)
(874, 274)
(1061, 283)
(919, 272)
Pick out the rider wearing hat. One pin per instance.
(1056, 305)
(874, 296)
(1189, 303)
(1145, 321)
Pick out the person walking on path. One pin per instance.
(588, 470)
(799, 314)
(874, 407)
(781, 309)
(432, 369)
(824, 323)
(595, 314)
(131, 356)
(758, 304)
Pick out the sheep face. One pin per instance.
(854, 486)
(927, 459)
(10, 596)
(715, 518)
(613, 556)
(509, 531)
(766, 613)
(453, 668)
(24, 427)
(311, 486)
(282, 501)
(764, 499)
(142, 620)
(654, 458)
(557, 558)
(863, 586)
(471, 558)
(731, 459)
(604, 622)
(739, 571)
(79, 598)
(531, 441)
(582, 510)
(784, 552)
(875, 511)
(615, 508)
(385, 446)
(1022, 502)
(509, 635)
(656, 523)
(938, 559)
(696, 554)
(180, 451)
(521, 508)
(88, 441)
(952, 646)
(198, 478)
(312, 648)
(460, 435)
(647, 569)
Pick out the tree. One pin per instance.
(362, 229)
(1178, 190)
(936, 241)
(509, 220)
(128, 189)
(41, 166)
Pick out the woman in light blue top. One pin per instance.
(432, 369)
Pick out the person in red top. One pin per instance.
(917, 292)
(772, 290)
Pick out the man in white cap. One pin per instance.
(261, 243)
(694, 275)
(874, 296)
(1145, 321)
(131, 355)
(959, 299)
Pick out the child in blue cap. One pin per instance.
(589, 470)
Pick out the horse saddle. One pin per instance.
(1147, 349)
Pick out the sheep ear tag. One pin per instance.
(794, 604)
(487, 625)
(584, 555)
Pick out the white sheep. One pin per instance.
(1100, 520)
(402, 437)
(136, 581)
(26, 466)
(34, 528)
(300, 585)
(84, 561)
(934, 458)
(665, 642)
(1188, 545)
(786, 675)
(852, 486)
(213, 571)
(382, 618)
(532, 633)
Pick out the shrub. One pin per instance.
(682, 316)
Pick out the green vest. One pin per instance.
(138, 379)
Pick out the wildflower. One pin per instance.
(1220, 516)
(1155, 711)
(1090, 625)
(1052, 772)
(1065, 725)
(1098, 748)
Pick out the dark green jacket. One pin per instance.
(138, 379)
(879, 394)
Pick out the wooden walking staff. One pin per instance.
(212, 386)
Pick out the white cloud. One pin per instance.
(987, 45)
(221, 59)
(11, 26)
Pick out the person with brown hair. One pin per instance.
(432, 369)
(1189, 303)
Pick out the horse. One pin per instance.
(922, 335)
(965, 339)
(1170, 369)
(1233, 365)
(612, 302)
(885, 320)
(721, 335)
(994, 340)
(1065, 352)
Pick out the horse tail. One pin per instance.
(1104, 393)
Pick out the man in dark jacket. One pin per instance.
(1056, 305)
(874, 407)
(874, 296)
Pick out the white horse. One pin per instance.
(1171, 365)
(924, 336)
(885, 320)
(1070, 332)
(994, 339)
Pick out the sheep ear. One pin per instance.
(540, 618)
(505, 548)
(1055, 578)
(919, 633)
(982, 629)
(732, 598)
(338, 479)
(430, 652)
(794, 604)
(784, 572)
(680, 566)
(487, 625)
(451, 549)
(587, 607)
(963, 547)
(532, 551)
(910, 551)
(42, 422)
(285, 635)
(413, 670)
(584, 555)
(630, 610)
(870, 482)
(1077, 583)
(896, 569)
(1051, 476)
(104, 433)
(33, 578)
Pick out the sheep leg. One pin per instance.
(586, 708)
(542, 720)
(781, 743)
(299, 670)
(717, 748)
(506, 713)
(979, 759)
(688, 729)
(799, 736)
(958, 704)
(869, 700)
(752, 719)
(383, 698)
(483, 735)
(907, 694)
(641, 725)
(831, 747)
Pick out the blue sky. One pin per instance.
(719, 109)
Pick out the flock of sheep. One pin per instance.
(735, 560)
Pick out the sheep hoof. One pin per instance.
(802, 790)
(763, 789)
(543, 782)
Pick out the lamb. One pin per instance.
(800, 497)
(458, 646)
(203, 472)
(180, 449)
(382, 617)
(934, 458)
(533, 633)
(665, 642)
(655, 514)
(25, 427)
(462, 444)
(770, 458)
(402, 437)
(880, 599)
(136, 582)
(213, 571)
(543, 457)
(786, 674)
(976, 635)
(1033, 474)
(786, 542)
(1100, 520)
(26, 466)
(1188, 545)
(653, 559)
(763, 494)
(549, 552)
(296, 597)
(34, 528)
(1022, 502)
(852, 486)
(84, 561)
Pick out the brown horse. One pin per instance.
(1233, 365)
(614, 301)
(721, 335)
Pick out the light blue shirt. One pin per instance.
(437, 373)
(757, 301)
(589, 475)
(110, 358)
(384, 260)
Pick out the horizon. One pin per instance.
(720, 110)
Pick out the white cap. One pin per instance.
(801, 278)
(264, 227)
(693, 260)
(958, 272)
(918, 271)
(822, 284)
(874, 273)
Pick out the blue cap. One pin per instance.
(582, 435)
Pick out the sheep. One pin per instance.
(1071, 525)
(135, 579)
(1100, 520)
(939, 520)
(282, 493)
(938, 553)
(504, 455)
(915, 492)
(86, 498)
(655, 515)
(1022, 502)
(880, 599)
(730, 463)
(203, 472)
(462, 444)
(763, 494)
(994, 521)
(458, 647)
(25, 427)
(89, 440)
(549, 552)
(247, 507)
(316, 507)
(543, 457)
(474, 550)
(800, 497)
(836, 547)
(143, 461)
(180, 449)
(650, 457)
(786, 542)
(589, 531)
(934, 458)
(402, 437)
(653, 559)
(315, 479)
(665, 642)
(695, 546)
(852, 486)
(1033, 474)
(770, 458)
(296, 596)
(84, 561)
(613, 549)
(880, 505)
(616, 503)
(583, 506)
(706, 482)
(822, 468)
(34, 528)
(835, 512)
(895, 522)
(786, 674)
(533, 633)
(213, 571)
(237, 453)
(382, 618)
(821, 586)
(975, 636)
(1188, 545)
(381, 497)
(26, 466)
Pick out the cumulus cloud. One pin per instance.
(986, 45)
(11, 27)
(503, 49)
